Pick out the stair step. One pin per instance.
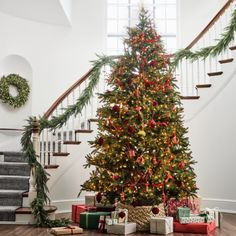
(61, 154)
(25, 194)
(87, 131)
(72, 142)
(14, 182)
(226, 60)
(215, 73)
(7, 213)
(11, 197)
(14, 168)
(51, 166)
(203, 85)
(93, 120)
(13, 156)
(189, 97)
(232, 48)
(28, 210)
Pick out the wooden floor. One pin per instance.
(228, 229)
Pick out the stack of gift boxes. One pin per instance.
(183, 216)
(104, 218)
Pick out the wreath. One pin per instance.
(21, 86)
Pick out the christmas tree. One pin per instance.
(141, 153)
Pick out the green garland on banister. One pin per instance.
(223, 43)
(41, 176)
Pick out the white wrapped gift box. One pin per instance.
(122, 228)
(161, 225)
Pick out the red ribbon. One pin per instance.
(102, 224)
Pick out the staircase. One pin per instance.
(14, 181)
(199, 82)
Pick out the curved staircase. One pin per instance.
(199, 82)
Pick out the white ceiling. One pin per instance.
(46, 11)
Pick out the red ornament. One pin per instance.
(152, 123)
(115, 177)
(121, 214)
(154, 103)
(140, 160)
(138, 108)
(175, 140)
(131, 153)
(116, 108)
(154, 160)
(99, 197)
(181, 165)
(134, 203)
(155, 210)
(153, 63)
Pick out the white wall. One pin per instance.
(193, 16)
(58, 55)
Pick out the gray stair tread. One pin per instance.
(12, 153)
(13, 163)
(14, 176)
(8, 208)
(11, 191)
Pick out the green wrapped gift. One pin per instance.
(90, 220)
(183, 212)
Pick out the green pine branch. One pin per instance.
(203, 53)
(41, 176)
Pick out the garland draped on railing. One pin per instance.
(41, 175)
(40, 214)
(223, 43)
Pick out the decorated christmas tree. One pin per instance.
(141, 153)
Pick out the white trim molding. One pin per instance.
(225, 205)
(65, 205)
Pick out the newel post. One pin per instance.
(32, 180)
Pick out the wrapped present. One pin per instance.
(173, 204)
(196, 219)
(102, 223)
(161, 225)
(69, 230)
(122, 228)
(76, 210)
(183, 212)
(90, 200)
(122, 215)
(90, 220)
(215, 212)
(200, 228)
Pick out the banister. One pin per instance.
(210, 24)
(66, 93)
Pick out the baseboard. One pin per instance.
(224, 205)
(64, 206)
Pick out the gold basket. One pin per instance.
(141, 215)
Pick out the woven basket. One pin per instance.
(141, 215)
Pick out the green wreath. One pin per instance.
(20, 84)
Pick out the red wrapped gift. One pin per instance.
(192, 203)
(199, 228)
(76, 210)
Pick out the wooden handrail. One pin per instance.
(66, 93)
(210, 24)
